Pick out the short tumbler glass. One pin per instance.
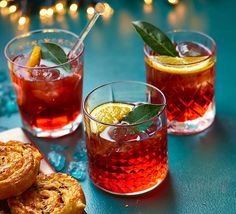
(49, 96)
(120, 160)
(188, 82)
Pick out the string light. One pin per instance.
(173, 1)
(73, 7)
(22, 20)
(59, 7)
(43, 12)
(50, 11)
(90, 10)
(148, 1)
(3, 3)
(108, 11)
(12, 9)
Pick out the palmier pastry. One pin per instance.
(19, 166)
(4, 209)
(56, 193)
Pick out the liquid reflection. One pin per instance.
(184, 15)
(177, 16)
(63, 21)
(46, 21)
(147, 8)
(125, 23)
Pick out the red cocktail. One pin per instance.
(124, 159)
(48, 95)
(188, 81)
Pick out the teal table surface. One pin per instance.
(202, 167)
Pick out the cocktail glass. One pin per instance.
(188, 82)
(49, 96)
(122, 160)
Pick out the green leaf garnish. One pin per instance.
(155, 38)
(143, 113)
(54, 53)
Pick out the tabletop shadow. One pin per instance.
(220, 134)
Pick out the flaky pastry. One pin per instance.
(56, 193)
(19, 166)
(4, 209)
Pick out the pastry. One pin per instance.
(56, 193)
(4, 209)
(19, 166)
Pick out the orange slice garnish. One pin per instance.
(180, 65)
(111, 113)
(35, 57)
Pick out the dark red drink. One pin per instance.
(126, 157)
(128, 166)
(48, 79)
(47, 99)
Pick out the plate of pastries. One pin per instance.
(29, 185)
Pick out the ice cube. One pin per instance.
(11, 107)
(21, 59)
(154, 127)
(57, 160)
(53, 74)
(189, 49)
(45, 74)
(77, 170)
(80, 153)
(7, 100)
(123, 134)
(19, 71)
(74, 64)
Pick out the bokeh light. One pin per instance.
(50, 11)
(12, 9)
(173, 1)
(3, 3)
(59, 6)
(90, 10)
(73, 7)
(22, 20)
(148, 1)
(43, 12)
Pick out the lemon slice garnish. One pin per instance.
(110, 113)
(180, 65)
(35, 57)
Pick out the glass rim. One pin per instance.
(124, 125)
(213, 50)
(48, 30)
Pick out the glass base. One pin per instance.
(193, 126)
(68, 129)
(134, 193)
